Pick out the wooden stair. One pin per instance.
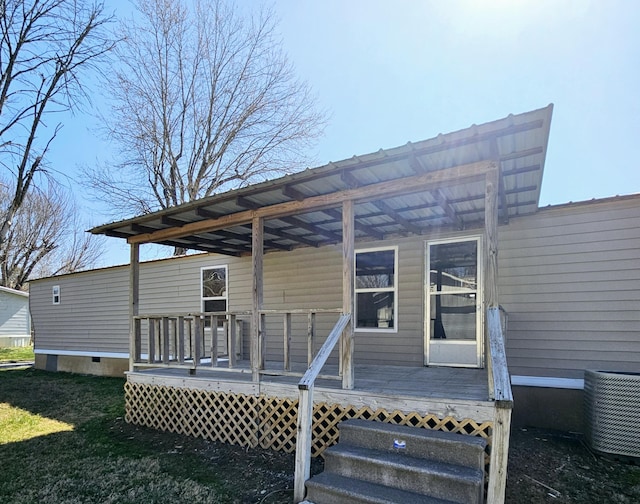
(382, 463)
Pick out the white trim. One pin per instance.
(83, 353)
(394, 289)
(14, 291)
(547, 382)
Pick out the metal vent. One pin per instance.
(612, 409)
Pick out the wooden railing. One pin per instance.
(498, 373)
(305, 407)
(287, 315)
(187, 339)
(500, 392)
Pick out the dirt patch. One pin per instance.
(547, 466)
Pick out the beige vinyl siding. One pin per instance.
(93, 313)
(14, 314)
(570, 282)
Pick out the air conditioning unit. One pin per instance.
(612, 412)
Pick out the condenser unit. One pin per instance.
(612, 412)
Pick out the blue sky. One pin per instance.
(389, 72)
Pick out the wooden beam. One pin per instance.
(348, 288)
(520, 154)
(406, 185)
(135, 341)
(257, 254)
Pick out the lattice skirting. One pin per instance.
(268, 422)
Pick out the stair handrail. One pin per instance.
(499, 380)
(305, 408)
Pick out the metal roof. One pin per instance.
(518, 143)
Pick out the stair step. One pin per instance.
(437, 479)
(329, 488)
(448, 447)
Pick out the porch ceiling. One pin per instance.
(517, 144)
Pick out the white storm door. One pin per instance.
(453, 318)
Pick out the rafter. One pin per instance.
(390, 188)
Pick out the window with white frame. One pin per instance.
(213, 283)
(376, 288)
(55, 294)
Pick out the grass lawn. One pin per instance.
(63, 440)
(16, 354)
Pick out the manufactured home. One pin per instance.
(395, 286)
(15, 323)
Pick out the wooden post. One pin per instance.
(490, 245)
(134, 293)
(499, 455)
(348, 286)
(287, 341)
(257, 252)
(491, 239)
(303, 442)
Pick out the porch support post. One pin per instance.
(257, 253)
(134, 290)
(348, 281)
(502, 412)
(491, 239)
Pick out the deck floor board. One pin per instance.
(423, 382)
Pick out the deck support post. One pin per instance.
(348, 286)
(134, 294)
(499, 455)
(257, 252)
(303, 443)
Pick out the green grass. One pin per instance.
(63, 439)
(16, 354)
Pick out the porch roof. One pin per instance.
(449, 192)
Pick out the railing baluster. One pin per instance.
(137, 345)
(214, 340)
(197, 337)
(287, 341)
(231, 340)
(262, 341)
(152, 341)
(165, 340)
(311, 332)
(180, 346)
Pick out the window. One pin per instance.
(55, 294)
(375, 289)
(214, 289)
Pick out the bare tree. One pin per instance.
(44, 47)
(45, 239)
(204, 100)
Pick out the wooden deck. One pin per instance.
(458, 392)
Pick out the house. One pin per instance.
(15, 323)
(393, 286)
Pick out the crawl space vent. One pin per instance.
(612, 409)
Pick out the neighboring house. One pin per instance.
(15, 323)
(387, 261)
